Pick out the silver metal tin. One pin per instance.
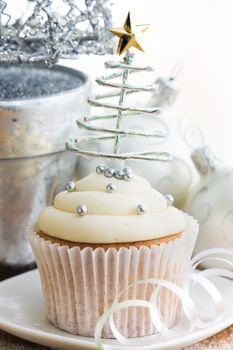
(31, 127)
(34, 165)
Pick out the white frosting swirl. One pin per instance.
(111, 217)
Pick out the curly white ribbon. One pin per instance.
(190, 309)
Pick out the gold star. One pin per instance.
(128, 35)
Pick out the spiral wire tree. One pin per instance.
(51, 29)
(125, 68)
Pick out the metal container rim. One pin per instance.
(11, 103)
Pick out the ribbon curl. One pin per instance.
(190, 310)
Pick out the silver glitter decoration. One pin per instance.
(70, 186)
(81, 210)
(170, 199)
(52, 29)
(110, 187)
(141, 209)
(26, 82)
(100, 169)
(109, 172)
(122, 109)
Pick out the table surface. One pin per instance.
(220, 341)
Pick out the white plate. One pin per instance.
(22, 314)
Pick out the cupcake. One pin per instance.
(101, 235)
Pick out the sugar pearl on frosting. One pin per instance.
(141, 209)
(169, 198)
(127, 169)
(109, 172)
(119, 174)
(70, 186)
(81, 209)
(110, 187)
(100, 169)
(128, 176)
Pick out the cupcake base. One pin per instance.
(79, 283)
(138, 244)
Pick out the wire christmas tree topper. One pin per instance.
(128, 38)
(128, 35)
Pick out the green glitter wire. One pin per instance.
(126, 68)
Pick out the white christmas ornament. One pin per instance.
(211, 202)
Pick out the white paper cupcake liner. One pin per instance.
(79, 285)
